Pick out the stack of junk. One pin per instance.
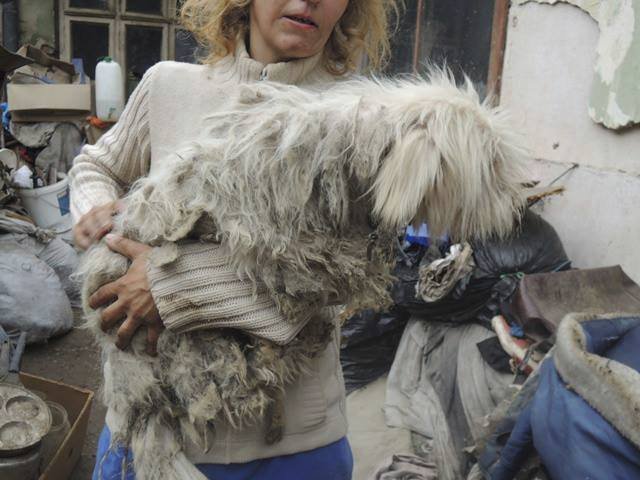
(497, 361)
(46, 119)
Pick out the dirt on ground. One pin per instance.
(73, 359)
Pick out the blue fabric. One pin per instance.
(420, 236)
(573, 440)
(334, 462)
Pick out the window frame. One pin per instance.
(122, 38)
(118, 19)
(66, 31)
(498, 44)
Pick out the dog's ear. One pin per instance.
(409, 170)
(457, 170)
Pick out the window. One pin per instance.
(135, 33)
(463, 34)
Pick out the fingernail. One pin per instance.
(111, 237)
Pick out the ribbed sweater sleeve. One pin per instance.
(201, 290)
(102, 172)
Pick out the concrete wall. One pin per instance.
(37, 21)
(548, 74)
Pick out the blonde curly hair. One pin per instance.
(363, 28)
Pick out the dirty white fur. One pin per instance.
(610, 387)
(197, 378)
(288, 178)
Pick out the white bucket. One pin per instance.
(49, 206)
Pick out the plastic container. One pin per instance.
(59, 428)
(109, 90)
(49, 206)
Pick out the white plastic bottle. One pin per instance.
(109, 90)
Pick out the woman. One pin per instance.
(303, 42)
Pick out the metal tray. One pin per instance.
(24, 419)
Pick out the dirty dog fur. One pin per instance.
(305, 189)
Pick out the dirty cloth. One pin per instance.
(406, 467)
(33, 135)
(440, 387)
(32, 297)
(582, 416)
(55, 252)
(493, 353)
(333, 462)
(11, 223)
(63, 146)
(438, 278)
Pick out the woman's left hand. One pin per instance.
(129, 298)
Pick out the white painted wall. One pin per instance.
(547, 77)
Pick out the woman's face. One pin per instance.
(282, 30)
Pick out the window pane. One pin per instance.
(89, 41)
(458, 33)
(143, 49)
(402, 42)
(152, 7)
(93, 4)
(187, 49)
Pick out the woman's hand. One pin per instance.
(95, 224)
(129, 297)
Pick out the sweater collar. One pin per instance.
(293, 72)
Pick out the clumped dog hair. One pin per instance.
(363, 29)
(306, 190)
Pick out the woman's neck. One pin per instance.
(260, 52)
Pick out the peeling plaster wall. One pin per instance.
(37, 21)
(597, 217)
(547, 80)
(615, 99)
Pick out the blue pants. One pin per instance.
(332, 462)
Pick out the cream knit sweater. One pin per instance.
(201, 285)
(200, 289)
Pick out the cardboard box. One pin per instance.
(43, 69)
(49, 100)
(77, 402)
(27, 117)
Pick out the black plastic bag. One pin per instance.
(534, 248)
(369, 343)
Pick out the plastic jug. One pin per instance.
(109, 90)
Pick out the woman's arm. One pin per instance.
(102, 172)
(200, 289)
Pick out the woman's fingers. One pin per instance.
(126, 332)
(112, 315)
(95, 224)
(153, 334)
(104, 295)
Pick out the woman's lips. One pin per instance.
(302, 23)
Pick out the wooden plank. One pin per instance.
(498, 43)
